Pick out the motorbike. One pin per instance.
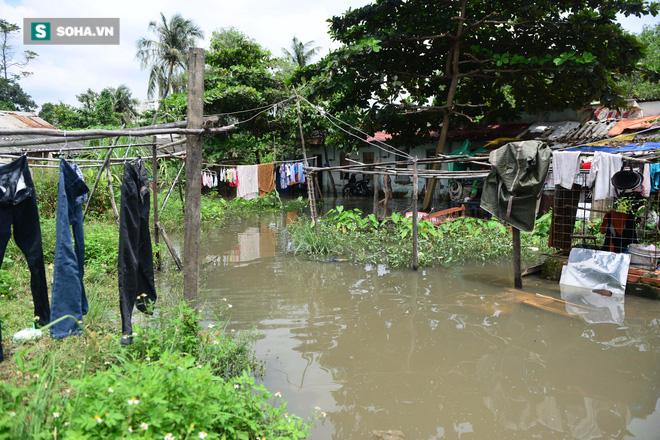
(356, 187)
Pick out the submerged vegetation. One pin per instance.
(364, 239)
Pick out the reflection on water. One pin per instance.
(439, 353)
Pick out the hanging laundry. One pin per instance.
(18, 209)
(266, 178)
(565, 167)
(248, 186)
(68, 291)
(135, 257)
(602, 169)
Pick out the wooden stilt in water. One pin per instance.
(517, 273)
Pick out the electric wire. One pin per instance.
(330, 118)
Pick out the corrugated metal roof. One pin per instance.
(569, 132)
(10, 119)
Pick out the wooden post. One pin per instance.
(193, 176)
(415, 262)
(154, 166)
(376, 179)
(517, 274)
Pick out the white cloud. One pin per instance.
(62, 72)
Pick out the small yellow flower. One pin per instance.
(236, 386)
(278, 394)
(12, 413)
(36, 318)
(229, 306)
(56, 415)
(46, 385)
(215, 342)
(66, 423)
(80, 322)
(68, 390)
(98, 419)
(106, 363)
(133, 401)
(144, 426)
(36, 375)
(130, 429)
(203, 434)
(169, 436)
(110, 390)
(323, 413)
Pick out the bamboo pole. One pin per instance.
(166, 239)
(154, 169)
(415, 261)
(111, 190)
(376, 181)
(193, 175)
(98, 176)
(73, 135)
(167, 197)
(310, 188)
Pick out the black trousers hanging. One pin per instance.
(135, 258)
(18, 209)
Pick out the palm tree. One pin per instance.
(124, 103)
(301, 53)
(166, 55)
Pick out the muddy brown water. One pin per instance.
(436, 354)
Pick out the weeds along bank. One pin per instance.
(348, 234)
(185, 376)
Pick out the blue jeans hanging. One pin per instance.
(68, 291)
(18, 208)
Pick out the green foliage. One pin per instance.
(178, 380)
(347, 234)
(645, 84)
(166, 55)
(495, 59)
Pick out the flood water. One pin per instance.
(436, 354)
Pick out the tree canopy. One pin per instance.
(412, 63)
(12, 96)
(301, 53)
(417, 64)
(645, 84)
(167, 54)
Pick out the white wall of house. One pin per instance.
(401, 186)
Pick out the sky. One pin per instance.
(62, 72)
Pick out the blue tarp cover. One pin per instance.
(624, 148)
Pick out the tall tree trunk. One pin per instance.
(452, 69)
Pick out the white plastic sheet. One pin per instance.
(596, 270)
(588, 272)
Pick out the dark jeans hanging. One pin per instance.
(18, 209)
(135, 259)
(68, 291)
